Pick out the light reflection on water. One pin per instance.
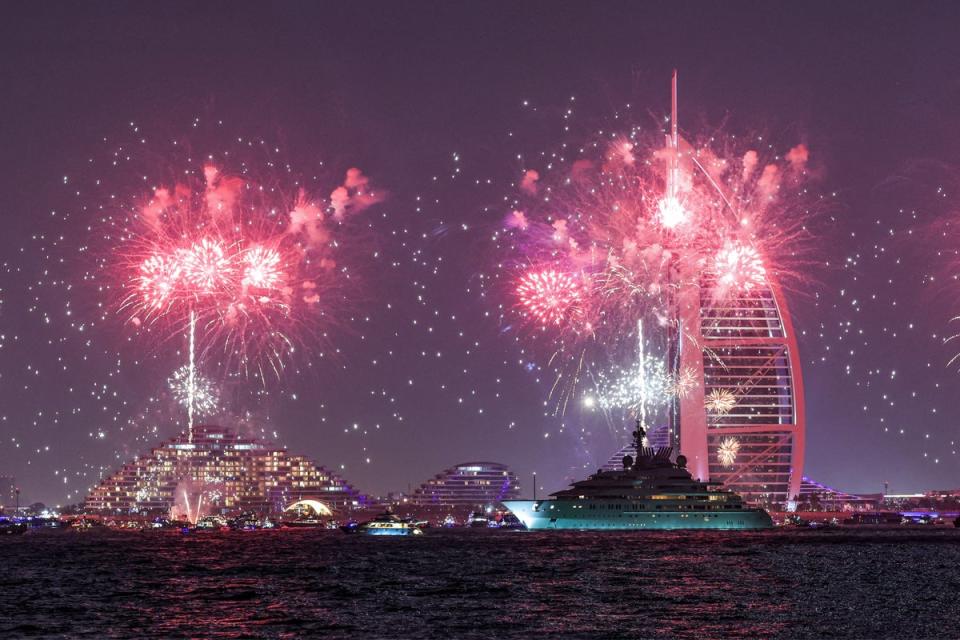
(482, 584)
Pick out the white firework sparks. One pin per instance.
(201, 390)
(739, 268)
(728, 450)
(720, 401)
(647, 382)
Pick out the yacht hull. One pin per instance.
(557, 514)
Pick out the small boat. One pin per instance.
(249, 522)
(83, 524)
(305, 523)
(211, 523)
(419, 524)
(478, 520)
(12, 528)
(386, 524)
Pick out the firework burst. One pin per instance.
(647, 382)
(727, 451)
(205, 266)
(738, 268)
(199, 390)
(682, 383)
(549, 296)
(720, 401)
(262, 270)
(641, 226)
(258, 272)
(671, 213)
(158, 279)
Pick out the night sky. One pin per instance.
(434, 101)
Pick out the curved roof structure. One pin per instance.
(316, 506)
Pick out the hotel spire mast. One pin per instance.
(690, 422)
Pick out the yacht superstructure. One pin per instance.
(651, 492)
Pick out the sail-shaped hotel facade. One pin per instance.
(745, 348)
(741, 346)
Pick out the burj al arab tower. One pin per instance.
(740, 347)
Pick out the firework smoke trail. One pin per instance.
(642, 364)
(192, 376)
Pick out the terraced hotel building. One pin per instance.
(225, 471)
(469, 485)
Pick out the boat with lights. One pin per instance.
(386, 524)
(12, 527)
(651, 492)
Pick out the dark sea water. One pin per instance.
(898, 583)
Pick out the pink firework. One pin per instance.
(262, 269)
(647, 230)
(254, 269)
(640, 247)
(671, 213)
(739, 268)
(159, 275)
(549, 296)
(208, 274)
(207, 267)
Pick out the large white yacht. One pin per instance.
(651, 492)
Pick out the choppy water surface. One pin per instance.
(483, 584)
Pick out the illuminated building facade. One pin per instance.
(817, 496)
(740, 344)
(468, 485)
(744, 344)
(224, 470)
